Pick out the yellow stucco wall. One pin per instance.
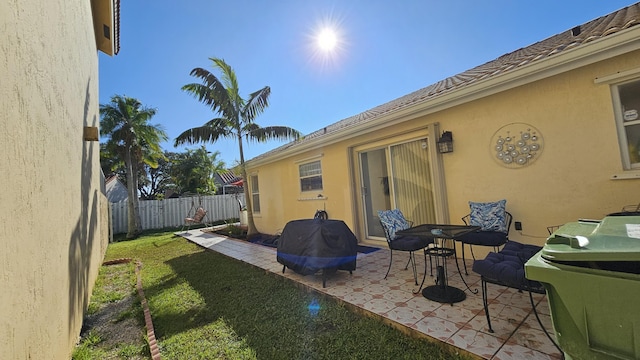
(569, 180)
(52, 225)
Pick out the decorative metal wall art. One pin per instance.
(516, 145)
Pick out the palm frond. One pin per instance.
(200, 134)
(261, 134)
(228, 75)
(223, 125)
(258, 101)
(213, 93)
(210, 95)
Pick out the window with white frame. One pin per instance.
(310, 176)
(628, 122)
(255, 194)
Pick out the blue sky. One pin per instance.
(385, 49)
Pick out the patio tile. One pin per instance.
(455, 313)
(532, 322)
(338, 290)
(397, 296)
(503, 328)
(404, 315)
(357, 298)
(514, 298)
(517, 352)
(477, 342)
(376, 289)
(436, 327)
(533, 339)
(426, 306)
(379, 306)
(508, 312)
(543, 307)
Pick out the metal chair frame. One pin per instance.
(411, 260)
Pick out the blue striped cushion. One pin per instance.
(393, 220)
(490, 216)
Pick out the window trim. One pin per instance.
(300, 177)
(623, 141)
(254, 180)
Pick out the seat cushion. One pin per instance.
(490, 216)
(524, 251)
(408, 243)
(507, 266)
(484, 238)
(393, 221)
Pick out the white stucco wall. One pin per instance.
(50, 205)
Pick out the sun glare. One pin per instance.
(326, 43)
(327, 39)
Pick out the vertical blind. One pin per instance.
(412, 184)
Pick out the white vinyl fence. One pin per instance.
(158, 214)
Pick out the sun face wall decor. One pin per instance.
(516, 145)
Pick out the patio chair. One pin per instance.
(393, 221)
(506, 268)
(494, 222)
(198, 218)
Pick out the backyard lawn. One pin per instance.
(205, 305)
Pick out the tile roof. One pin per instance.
(116, 27)
(228, 176)
(570, 39)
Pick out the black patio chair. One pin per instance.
(495, 239)
(392, 221)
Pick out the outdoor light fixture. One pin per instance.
(445, 144)
(90, 133)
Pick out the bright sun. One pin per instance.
(326, 44)
(327, 39)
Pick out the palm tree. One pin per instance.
(236, 117)
(124, 121)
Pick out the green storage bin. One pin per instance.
(594, 289)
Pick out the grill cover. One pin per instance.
(307, 246)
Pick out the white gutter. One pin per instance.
(608, 47)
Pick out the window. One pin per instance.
(255, 194)
(628, 121)
(311, 176)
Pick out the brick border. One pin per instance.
(151, 334)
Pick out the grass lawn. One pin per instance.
(205, 305)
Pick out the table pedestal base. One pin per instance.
(444, 294)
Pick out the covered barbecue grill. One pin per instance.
(313, 245)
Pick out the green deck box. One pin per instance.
(591, 273)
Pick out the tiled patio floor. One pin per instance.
(517, 333)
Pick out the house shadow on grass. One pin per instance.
(275, 319)
(251, 302)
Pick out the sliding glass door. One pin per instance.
(396, 176)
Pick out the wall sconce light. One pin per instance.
(90, 133)
(445, 144)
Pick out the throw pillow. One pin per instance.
(393, 221)
(490, 216)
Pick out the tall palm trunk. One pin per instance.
(136, 199)
(133, 218)
(251, 225)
